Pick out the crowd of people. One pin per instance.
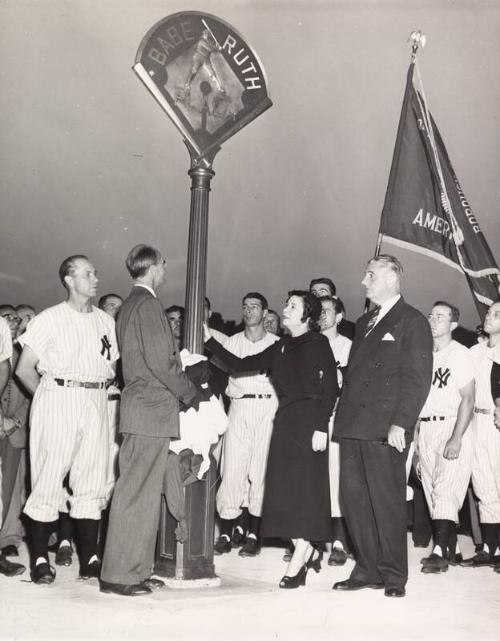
(326, 421)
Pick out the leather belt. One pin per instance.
(253, 396)
(114, 397)
(86, 384)
(435, 418)
(479, 410)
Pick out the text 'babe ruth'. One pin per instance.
(68, 355)
(445, 445)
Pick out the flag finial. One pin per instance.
(417, 39)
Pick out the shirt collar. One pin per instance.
(150, 289)
(331, 333)
(388, 305)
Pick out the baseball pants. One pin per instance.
(69, 433)
(444, 481)
(486, 467)
(244, 458)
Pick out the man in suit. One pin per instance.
(387, 381)
(154, 383)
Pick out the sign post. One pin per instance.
(211, 84)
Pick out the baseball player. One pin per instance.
(486, 463)
(324, 286)
(445, 445)
(111, 303)
(68, 355)
(246, 442)
(331, 315)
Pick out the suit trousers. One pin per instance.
(135, 510)
(373, 501)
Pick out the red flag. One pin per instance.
(425, 209)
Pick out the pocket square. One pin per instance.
(388, 337)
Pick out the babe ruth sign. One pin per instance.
(204, 75)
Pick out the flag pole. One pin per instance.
(417, 39)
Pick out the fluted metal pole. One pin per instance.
(193, 559)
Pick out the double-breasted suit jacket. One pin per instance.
(387, 381)
(388, 375)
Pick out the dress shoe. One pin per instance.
(10, 569)
(315, 559)
(456, 559)
(64, 555)
(354, 584)
(10, 550)
(90, 570)
(251, 547)
(420, 544)
(338, 556)
(434, 564)
(292, 582)
(395, 592)
(480, 559)
(238, 537)
(153, 584)
(43, 574)
(222, 545)
(497, 568)
(136, 589)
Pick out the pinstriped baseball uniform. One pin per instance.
(69, 425)
(246, 442)
(445, 481)
(341, 346)
(5, 354)
(486, 465)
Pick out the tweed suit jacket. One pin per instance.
(152, 373)
(388, 376)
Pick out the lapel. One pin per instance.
(367, 344)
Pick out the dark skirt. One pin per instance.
(297, 490)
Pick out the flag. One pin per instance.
(425, 208)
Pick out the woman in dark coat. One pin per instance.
(303, 371)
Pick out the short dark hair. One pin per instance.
(140, 258)
(103, 299)
(389, 261)
(67, 267)
(337, 304)
(25, 306)
(326, 281)
(258, 296)
(175, 308)
(312, 304)
(273, 311)
(454, 311)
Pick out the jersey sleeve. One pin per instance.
(463, 368)
(256, 363)
(37, 335)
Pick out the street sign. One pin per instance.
(206, 77)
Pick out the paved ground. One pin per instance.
(463, 605)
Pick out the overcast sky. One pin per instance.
(90, 164)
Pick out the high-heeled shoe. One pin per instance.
(315, 563)
(291, 582)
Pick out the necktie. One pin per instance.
(372, 320)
